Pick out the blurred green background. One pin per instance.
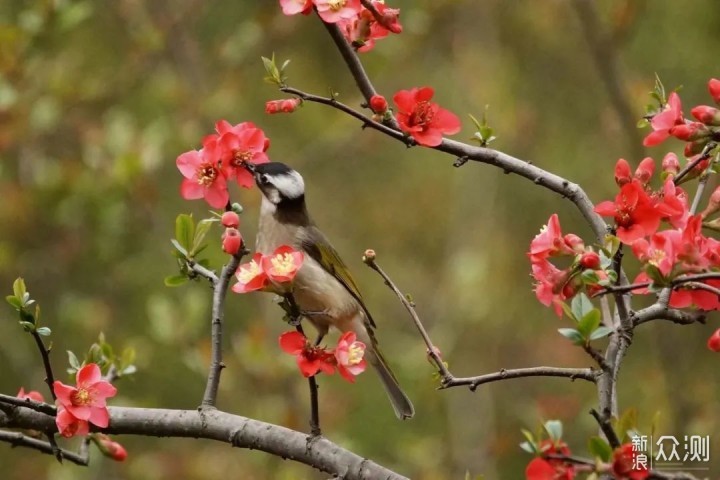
(98, 98)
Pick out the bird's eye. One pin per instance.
(264, 179)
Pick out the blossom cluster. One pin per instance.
(222, 158)
(269, 272)
(84, 403)
(348, 357)
(360, 26)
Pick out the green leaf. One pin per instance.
(179, 248)
(568, 311)
(27, 326)
(581, 305)
(26, 316)
(600, 332)
(107, 351)
(598, 447)
(529, 447)
(589, 276)
(175, 280)
(201, 231)
(73, 360)
(611, 245)
(44, 331)
(572, 335)
(184, 230)
(127, 357)
(627, 422)
(19, 289)
(589, 323)
(554, 428)
(14, 301)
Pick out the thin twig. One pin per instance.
(28, 403)
(220, 287)
(446, 376)
(45, 354)
(203, 272)
(604, 423)
(703, 156)
(703, 286)
(17, 439)
(597, 356)
(572, 373)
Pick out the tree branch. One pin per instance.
(242, 432)
(17, 439)
(572, 373)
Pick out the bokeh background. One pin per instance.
(98, 98)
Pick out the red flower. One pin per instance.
(238, 144)
(625, 465)
(550, 469)
(713, 342)
(283, 264)
(550, 288)
(87, 400)
(714, 89)
(230, 219)
(425, 121)
(68, 425)
(231, 241)
(293, 7)
(333, 11)
(349, 354)
(250, 276)
(550, 242)
(664, 121)
(32, 395)
(285, 105)
(203, 176)
(110, 448)
(363, 30)
(660, 251)
(310, 359)
(635, 214)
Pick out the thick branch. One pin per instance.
(242, 432)
(572, 373)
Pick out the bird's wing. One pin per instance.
(318, 247)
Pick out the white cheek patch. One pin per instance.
(273, 196)
(290, 185)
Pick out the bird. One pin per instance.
(323, 287)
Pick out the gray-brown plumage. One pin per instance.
(323, 286)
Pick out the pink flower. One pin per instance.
(362, 31)
(87, 400)
(664, 121)
(635, 214)
(250, 276)
(660, 251)
(349, 354)
(285, 105)
(550, 242)
(32, 395)
(238, 144)
(68, 425)
(203, 176)
(293, 7)
(425, 121)
(551, 287)
(283, 264)
(333, 11)
(310, 359)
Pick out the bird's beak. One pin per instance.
(250, 167)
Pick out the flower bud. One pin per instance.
(713, 342)
(378, 104)
(110, 448)
(286, 105)
(645, 170)
(590, 260)
(437, 352)
(230, 220)
(369, 255)
(622, 172)
(671, 164)
(690, 131)
(713, 204)
(707, 115)
(714, 88)
(231, 241)
(574, 242)
(391, 20)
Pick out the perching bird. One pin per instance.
(323, 287)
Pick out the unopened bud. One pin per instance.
(574, 242)
(110, 448)
(622, 172)
(645, 170)
(713, 342)
(286, 105)
(689, 132)
(378, 104)
(714, 89)
(671, 164)
(707, 115)
(231, 241)
(230, 219)
(590, 260)
(369, 256)
(713, 204)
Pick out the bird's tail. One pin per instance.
(400, 402)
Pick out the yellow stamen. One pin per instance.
(248, 272)
(356, 351)
(283, 263)
(81, 397)
(336, 5)
(206, 175)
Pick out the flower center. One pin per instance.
(336, 5)
(241, 157)
(206, 174)
(656, 256)
(248, 273)
(422, 114)
(356, 351)
(283, 263)
(81, 397)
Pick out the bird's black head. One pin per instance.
(278, 182)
